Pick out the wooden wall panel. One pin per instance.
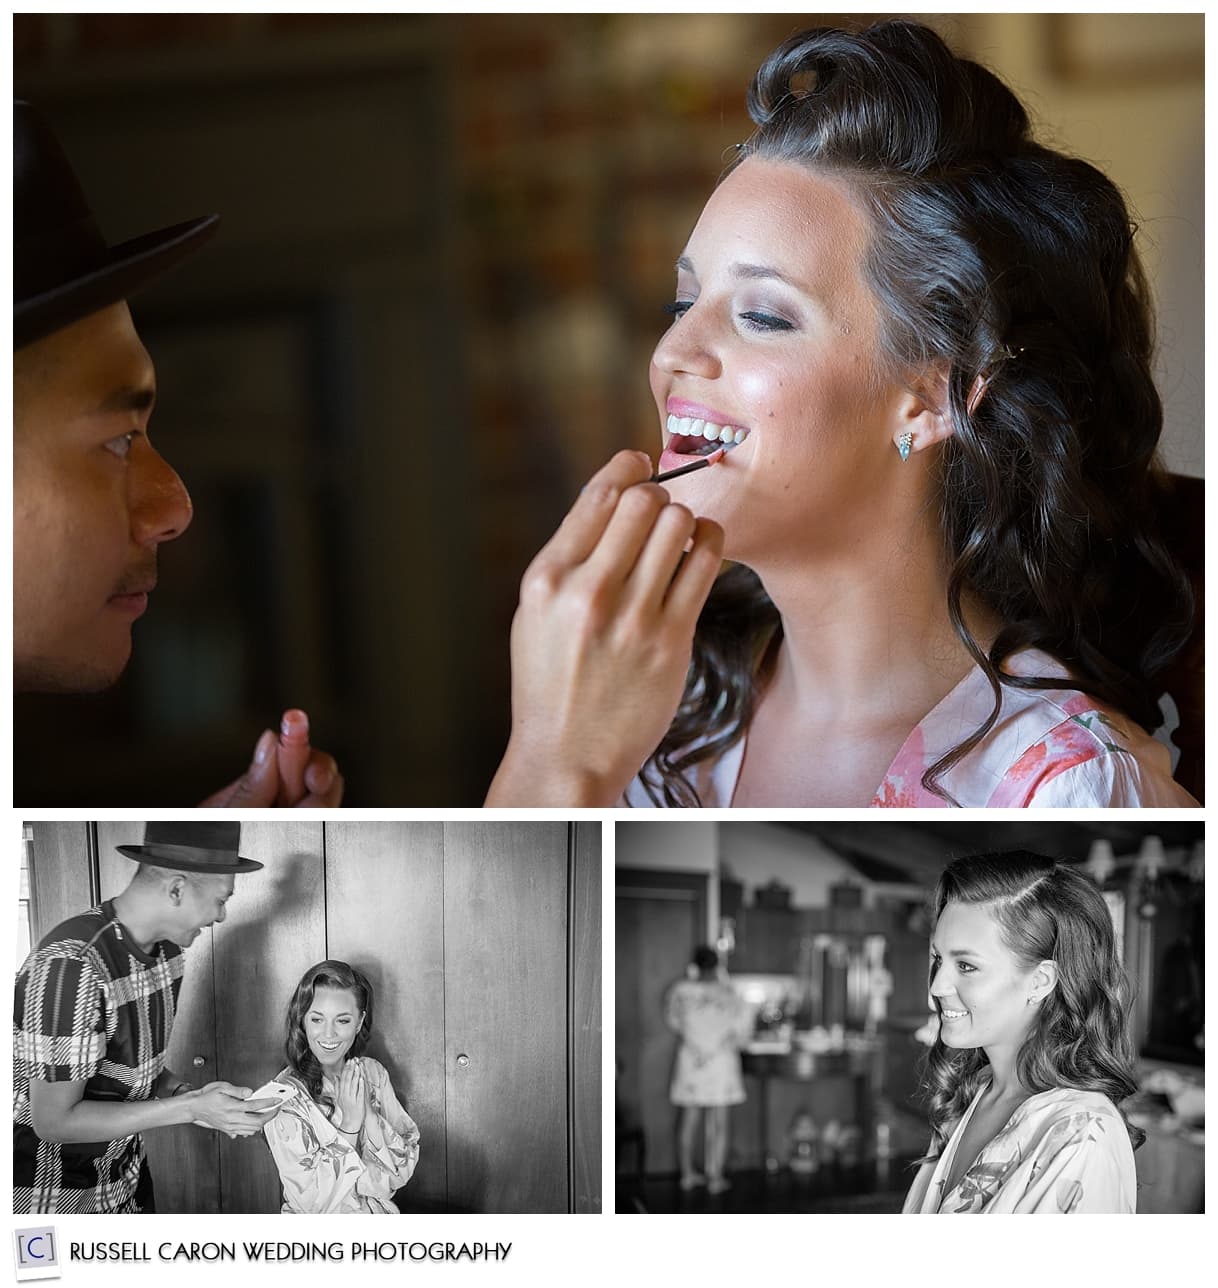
(385, 915)
(59, 875)
(274, 930)
(585, 1020)
(505, 914)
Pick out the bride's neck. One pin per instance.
(857, 635)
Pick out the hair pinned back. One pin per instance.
(983, 244)
(1046, 911)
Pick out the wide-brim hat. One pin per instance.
(63, 270)
(192, 847)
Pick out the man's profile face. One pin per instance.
(202, 904)
(92, 500)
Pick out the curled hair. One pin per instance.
(302, 1062)
(705, 958)
(1046, 911)
(1011, 268)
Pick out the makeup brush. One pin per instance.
(701, 464)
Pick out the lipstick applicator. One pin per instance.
(701, 464)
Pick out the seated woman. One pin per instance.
(1034, 1054)
(343, 1143)
(924, 341)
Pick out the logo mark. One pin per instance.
(37, 1253)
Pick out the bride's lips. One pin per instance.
(693, 431)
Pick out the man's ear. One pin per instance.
(176, 887)
(923, 418)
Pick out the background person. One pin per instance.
(712, 1023)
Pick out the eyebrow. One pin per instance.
(750, 272)
(128, 398)
(954, 952)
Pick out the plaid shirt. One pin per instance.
(90, 1007)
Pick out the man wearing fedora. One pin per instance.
(94, 1011)
(92, 499)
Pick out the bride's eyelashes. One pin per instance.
(754, 319)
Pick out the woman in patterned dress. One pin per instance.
(1034, 1054)
(712, 1022)
(343, 1143)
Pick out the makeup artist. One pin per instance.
(92, 1020)
(92, 499)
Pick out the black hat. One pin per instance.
(191, 847)
(62, 268)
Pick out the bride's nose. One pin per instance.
(689, 346)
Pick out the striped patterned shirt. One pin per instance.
(92, 1007)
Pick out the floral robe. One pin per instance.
(1050, 747)
(1060, 1151)
(713, 1023)
(322, 1170)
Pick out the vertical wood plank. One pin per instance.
(184, 1160)
(585, 1017)
(505, 914)
(385, 915)
(274, 930)
(59, 875)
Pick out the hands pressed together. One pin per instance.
(351, 1100)
(602, 638)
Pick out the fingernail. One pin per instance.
(294, 727)
(324, 780)
(265, 747)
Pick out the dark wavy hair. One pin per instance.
(1012, 268)
(1080, 1038)
(302, 1062)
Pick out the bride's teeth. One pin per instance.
(741, 435)
(672, 424)
(711, 431)
(697, 429)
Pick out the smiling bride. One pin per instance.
(1034, 1054)
(342, 1143)
(922, 343)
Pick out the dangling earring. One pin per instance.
(904, 444)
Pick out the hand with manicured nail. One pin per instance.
(283, 772)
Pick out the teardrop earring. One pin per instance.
(905, 444)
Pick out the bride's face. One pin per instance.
(776, 333)
(331, 1025)
(979, 986)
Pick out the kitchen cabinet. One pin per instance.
(482, 944)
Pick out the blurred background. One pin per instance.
(427, 319)
(823, 928)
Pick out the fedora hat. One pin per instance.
(63, 270)
(192, 847)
